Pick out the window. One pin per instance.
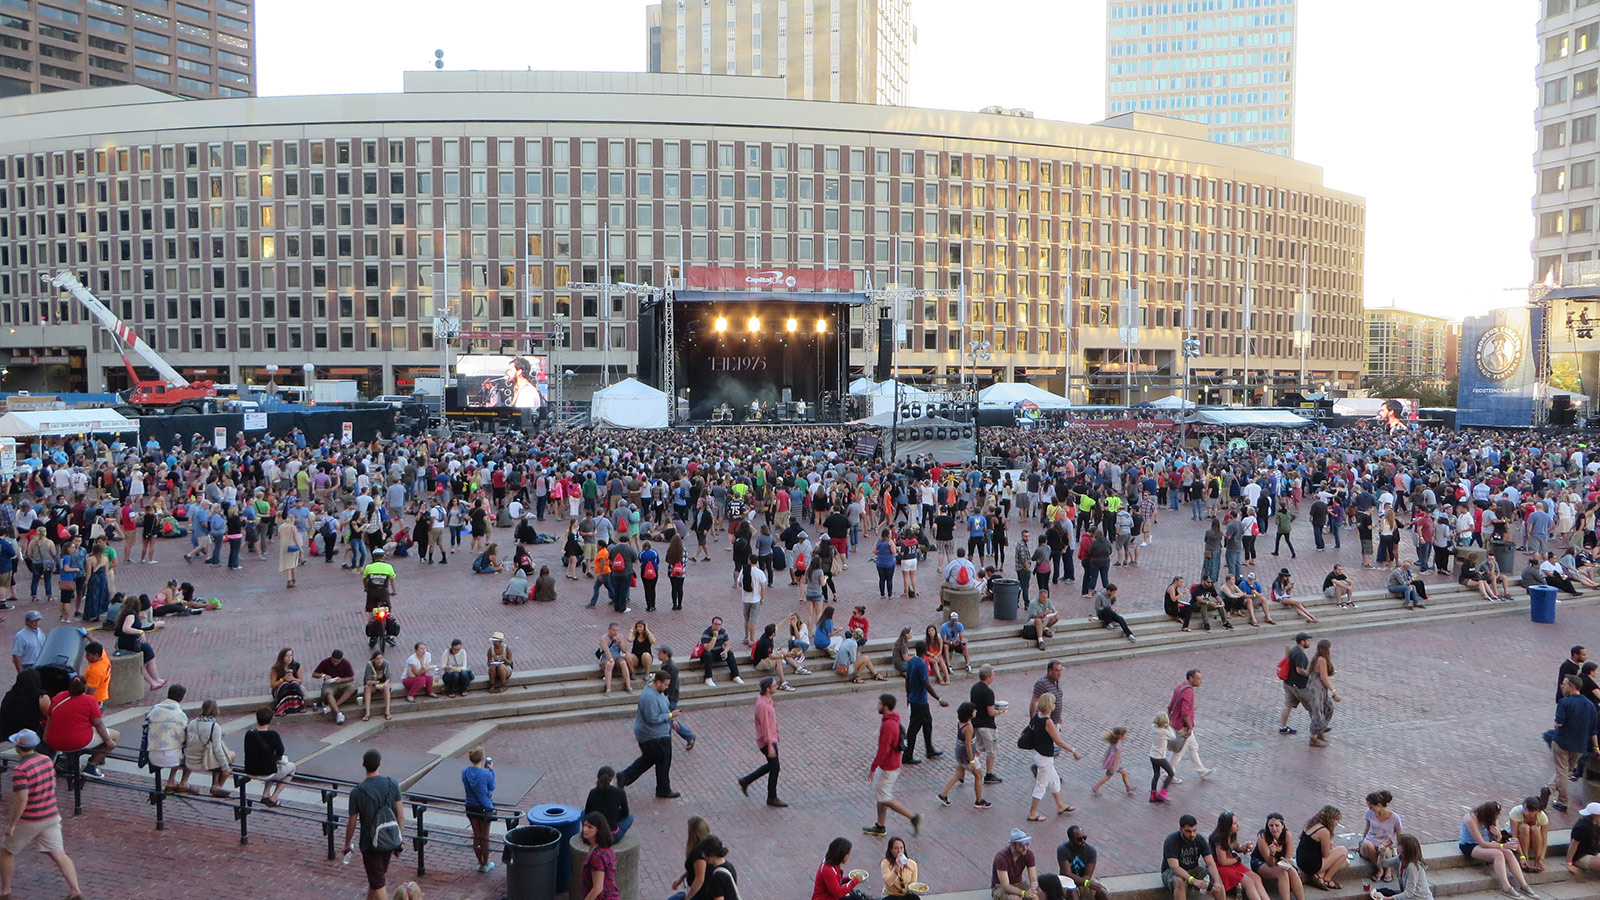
(1552, 224)
(1556, 47)
(1579, 220)
(1554, 136)
(1584, 38)
(1553, 180)
(1583, 83)
(1583, 129)
(1583, 174)
(1555, 91)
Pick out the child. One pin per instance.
(966, 760)
(1112, 762)
(1160, 756)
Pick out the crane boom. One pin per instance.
(121, 331)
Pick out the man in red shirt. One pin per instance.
(74, 724)
(34, 820)
(767, 743)
(1181, 710)
(886, 768)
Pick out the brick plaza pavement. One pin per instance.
(228, 653)
(1443, 716)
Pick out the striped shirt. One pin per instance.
(37, 776)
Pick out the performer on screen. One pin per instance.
(1392, 414)
(515, 388)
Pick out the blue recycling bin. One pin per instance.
(1542, 604)
(567, 820)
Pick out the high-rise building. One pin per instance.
(857, 51)
(1408, 345)
(1227, 64)
(1569, 99)
(193, 48)
(331, 230)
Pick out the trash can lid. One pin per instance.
(532, 836)
(553, 814)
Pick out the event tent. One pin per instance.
(60, 422)
(1006, 395)
(1173, 401)
(862, 385)
(1249, 418)
(630, 403)
(882, 395)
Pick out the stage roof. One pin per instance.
(817, 297)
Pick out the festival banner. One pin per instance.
(770, 279)
(1499, 384)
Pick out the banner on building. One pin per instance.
(1499, 383)
(770, 279)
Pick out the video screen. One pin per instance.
(503, 382)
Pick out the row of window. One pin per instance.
(1578, 220)
(1561, 7)
(1578, 130)
(771, 159)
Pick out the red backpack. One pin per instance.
(963, 575)
(649, 571)
(618, 563)
(677, 569)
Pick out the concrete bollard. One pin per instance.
(627, 852)
(127, 677)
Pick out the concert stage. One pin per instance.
(763, 357)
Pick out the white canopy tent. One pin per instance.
(1552, 390)
(882, 395)
(62, 422)
(862, 385)
(1006, 395)
(630, 403)
(1250, 418)
(1174, 401)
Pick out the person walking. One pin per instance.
(918, 689)
(652, 728)
(767, 743)
(1181, 710)
(1296, 669)
(1574, 734)
(885, 769)
(33, 819)
(1285, 522)
(983, 721)
(375, 804)
(1321, 695)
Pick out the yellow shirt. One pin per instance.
(97, 675)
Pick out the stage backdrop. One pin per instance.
(1498, 370)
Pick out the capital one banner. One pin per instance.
(1499, 370)
(770, 279)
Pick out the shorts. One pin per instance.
(1168, 879)
(5, 579)
(883, 785)
(1123, 540)
(1366, 548)
(45, 834)
(908, 565)
(1291, 697)
(1330, 592)
(376, 864)
(751, 610)
(166, 759)
(945, 547)
(768, 665)
(984, 741)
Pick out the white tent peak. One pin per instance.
(630, 403)
(1006, 395)
(61, 422)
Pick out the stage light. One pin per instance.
(753, 325)
(822, 326)
(721, 324)
(792, 325)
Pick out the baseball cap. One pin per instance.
(1592, 809)
(27, 737)
(1018, 836)
(955, 615)
(767, 682)
(32, 616)
(1302, 636)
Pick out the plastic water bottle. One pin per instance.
(347, 857)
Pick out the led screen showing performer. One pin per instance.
(504, 382)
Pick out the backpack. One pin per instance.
(963, 576)
(649, 571)
(1283, 668)
(1025, 740)
(677, 569)
(386, 837)
(618, 563)
(779, 560)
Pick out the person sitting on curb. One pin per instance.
(1188, 865)
(849, 662)
(1583, 850)
(338, 679)
(1042, 615)
(768, 659)
(1283, 592)
(1105, 602)
(1402, 585)
(953, 635)
(1338, 588)
(75, 725)
(1254, 596)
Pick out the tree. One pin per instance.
(1425, 394)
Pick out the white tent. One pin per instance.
(1250, 418)
(1172, 402)
(630, 403)
(1006, 395)
(60, 422)
(1552, 390)
(862, 385)
(882, 395)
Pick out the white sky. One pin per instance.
(1427, 116)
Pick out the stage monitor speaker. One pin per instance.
(885, 347)
(1561, 401)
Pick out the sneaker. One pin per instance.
(982, 804)
(916, 825)
(802, 671)
(1207, 773)
(1133, 639)
(786, 686)
(944, 800)
(710, 683)
(338, 719)
(1558, 806)
(875, 830)
(1175, 780)
(738, 680)
(1287, 730)
(488, 867)
(94, 772)
(992, 779)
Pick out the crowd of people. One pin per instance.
(624, 510)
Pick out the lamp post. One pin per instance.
(309, 371)
(272, 378)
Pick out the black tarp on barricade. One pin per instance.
(365, 424)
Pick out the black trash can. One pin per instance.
(61, 657)
(1007, 595)
(1505, 556)
(530, 856)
